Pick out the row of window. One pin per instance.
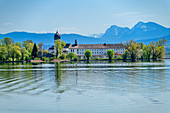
(72, 50)
(82, 53)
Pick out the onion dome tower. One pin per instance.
(57, 36)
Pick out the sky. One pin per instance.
(84, 17)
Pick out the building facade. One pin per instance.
(98, 50)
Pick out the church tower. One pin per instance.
(56, 37)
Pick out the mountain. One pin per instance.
(115, 33)
(147, 41)
(140, 31)
(144, 32)
(48, 38)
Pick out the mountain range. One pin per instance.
(141, 32)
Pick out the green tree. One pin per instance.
(3, 53)
(63, 56)
(24, 54)
(146, 52)
(35, 51)
(126, 54)
(28, 45)
(161, 52)
(70, 55)
(59, 45)
(15, 52)
(40, 45)
(75, 58)
(110, 54)
(133, 50)
(154, 50)
(7, 42)
(88, 54)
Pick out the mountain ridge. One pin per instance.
(114, 34)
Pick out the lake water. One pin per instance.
(96, 87)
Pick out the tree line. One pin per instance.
(11, 51)
(154, 50)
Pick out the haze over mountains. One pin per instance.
(141, 32)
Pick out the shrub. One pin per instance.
(96, 58)
(63, 56)
(45, 59)
(70, 55)
(75, 58)
(52, 58)
(119, 57)
(37, 59)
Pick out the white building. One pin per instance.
(98, 50)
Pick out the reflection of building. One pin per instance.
(98, 50)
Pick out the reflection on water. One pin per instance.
(85, 87)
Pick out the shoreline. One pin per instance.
(59, 60)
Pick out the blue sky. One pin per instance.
(79, 16)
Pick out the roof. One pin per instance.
(52, 47)
(67, 45)
(97, 46)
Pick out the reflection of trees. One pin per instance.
(58, 77)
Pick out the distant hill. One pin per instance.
(48, 38)
(144, 32)
(146, 41)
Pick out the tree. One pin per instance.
(70, 55)
(59, 45)
(88, 54)
(161, 42)
(3, 53)
(35, 51)
(146, 52)
(40, 45)
(161, 52)
(154, 50)
(75, 58)
(125, 55)
(133, 50)
(28, 45)
(24, 54)
(7, 42)
(110, 54)
(128, 43)
(63, 56)
(15, 52)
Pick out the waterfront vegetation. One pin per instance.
(17, 51)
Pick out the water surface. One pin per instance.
(96, 87)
